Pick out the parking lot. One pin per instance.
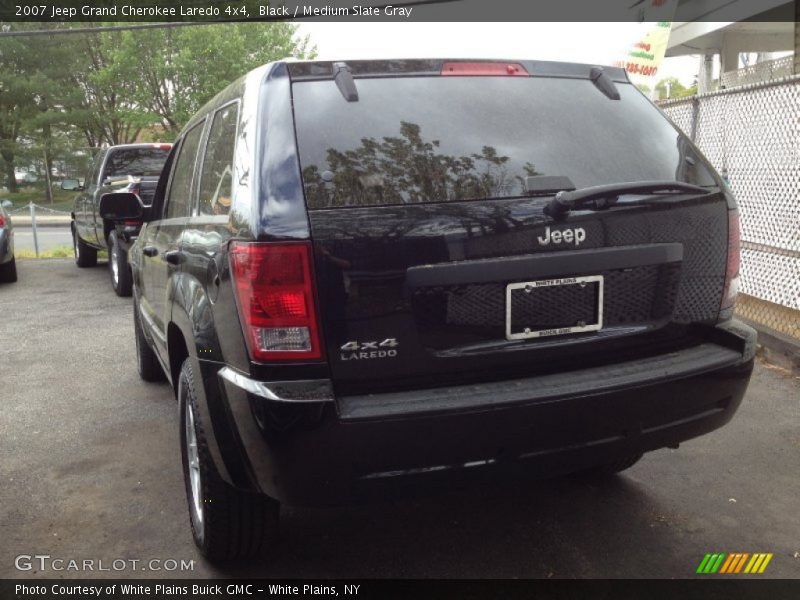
(90, 469)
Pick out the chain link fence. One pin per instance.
(767, 70)
(33, 187)
(34, 209)
(37, 214)
(751, 134)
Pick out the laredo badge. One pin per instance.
(355, 350)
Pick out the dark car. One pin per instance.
(361, 274)
(133, 168)
(8, 264)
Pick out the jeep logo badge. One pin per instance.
(559, 236)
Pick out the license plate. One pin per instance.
(551, 307)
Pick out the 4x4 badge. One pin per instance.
(355, 350)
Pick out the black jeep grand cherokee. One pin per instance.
(374, 271)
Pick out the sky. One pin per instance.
(597, 43)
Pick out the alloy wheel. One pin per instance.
(193, 470)
(115, 263)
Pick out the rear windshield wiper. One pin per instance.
(603, 196)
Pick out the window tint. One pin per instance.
(180, 189)
(439, 139)
(216, 181)
(141, 162)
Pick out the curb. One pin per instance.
(777, 348)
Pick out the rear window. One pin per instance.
(440, 139)
(140, 162)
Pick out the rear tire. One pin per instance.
(227, 523)
(8, 271)
(118, 267)
(85, 255)
(146, 359)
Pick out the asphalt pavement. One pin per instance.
(90, 469)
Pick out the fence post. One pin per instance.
(695, 115)
(33, 227)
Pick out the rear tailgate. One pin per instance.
(434, 266)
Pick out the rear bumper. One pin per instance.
(303, 448)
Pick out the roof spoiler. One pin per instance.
(320, 70)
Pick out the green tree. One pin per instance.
(671, 87)
(15, 92)
(51, 98)
(108, 110)
(109, 86)
(178, 70)
(38, 97)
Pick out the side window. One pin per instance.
(163, 180)
(180, 188)
(216, 180)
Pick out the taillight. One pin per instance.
(731, 287)
(275, 295)
(2, 221)
(484, 69)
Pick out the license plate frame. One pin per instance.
(548, 283)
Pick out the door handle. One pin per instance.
(149, 250)
(173, 257)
